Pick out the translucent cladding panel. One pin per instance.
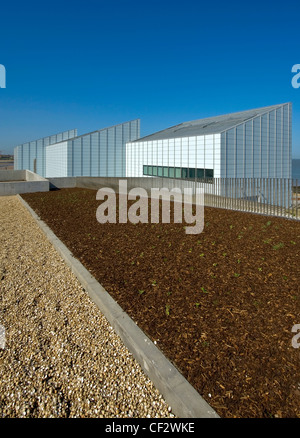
(32, 155)
(172, 152)
(56, 160)
(135, 159)
(200, 151)
(20, 157)
(26, 156)
(86, 155)
(272, 144)
(125, 133)
(68, 134)
(240, 150)
(256, 148)
(264, 146)
(165, 152)
(140, 159)
(184, 152)
(192, 152)
(111, 152)
(177, 152)
(128, 159)
(279, 157)
(153, 156)
(16, 158)
(286, 156)
(144, 149)
(223, 155)
(103, 152)
(209, 151)
(217, 159)
(249, 149)
(95, 154)
(46, 141)
(119, 151)
(230, 153)
(77, 157)
(159, 152)
(125, 137)
(134, 130)
(40, 157)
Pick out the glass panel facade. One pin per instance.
(32, 154)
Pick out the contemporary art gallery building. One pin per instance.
(98, 153)
(249, 144)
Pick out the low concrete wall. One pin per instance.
(113, 183)
(12, 175)
(31, 176)
(95, 182)
(62, 183)
(13, 182)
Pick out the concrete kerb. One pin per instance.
(185, 401)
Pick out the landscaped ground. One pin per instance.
(220, 305)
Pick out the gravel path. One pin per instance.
(61, 358)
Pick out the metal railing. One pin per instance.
(268, 196)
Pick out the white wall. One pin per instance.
(57, 160)
(192, 152)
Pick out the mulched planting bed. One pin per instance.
(220, 304)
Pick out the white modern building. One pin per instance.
(250, 144)
(98, 153)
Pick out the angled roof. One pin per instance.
(210, 125)
(94, 132)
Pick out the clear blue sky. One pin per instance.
(92, 64)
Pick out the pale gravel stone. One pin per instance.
(61, 356)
